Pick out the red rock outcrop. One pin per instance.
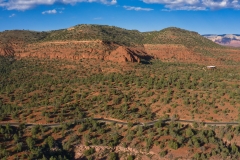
(76, 50)
(122, 54)
(172, 52)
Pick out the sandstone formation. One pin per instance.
(76, 50)
(172, 52)
(115, 44)
(109, 51)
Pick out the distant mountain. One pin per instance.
(225, 39)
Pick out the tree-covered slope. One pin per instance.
(22, 35)
(174, 35)
(98, 32)
(114, 34)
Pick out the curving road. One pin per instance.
(124, 123)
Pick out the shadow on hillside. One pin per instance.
(144, 61)
(144, 57)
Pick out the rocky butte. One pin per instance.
(117, 44)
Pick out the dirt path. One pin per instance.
(104, 120)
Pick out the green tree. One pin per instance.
(19, 146)
(173, 144)
(130, 157)
(34, 130)
(44, 158)
(234, 148)
(89, 152)
(189, 132)
(113, 156)
(15, 138)
(163, 153)
(50, 141)
(30, 142)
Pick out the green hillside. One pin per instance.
(98, 32)
(116, 35)
(174, 35)
(23, 35)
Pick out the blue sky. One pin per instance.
(202, 16)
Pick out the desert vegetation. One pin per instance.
(93, 140)
(60, 91)
(57, 88)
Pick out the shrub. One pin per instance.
(163, 153)
(113, 156)
(89, 152)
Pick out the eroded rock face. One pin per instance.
(122, 54)
(76, 50)
(172, 52)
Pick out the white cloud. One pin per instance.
(196, 4)
(186, 8)
(60, 10)
(12, 15)
(97, 18)
(137, 8)
(28, 4)
(213, 4)
(54, 11)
